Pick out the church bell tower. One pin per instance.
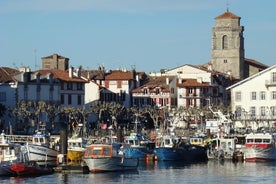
(227, 54)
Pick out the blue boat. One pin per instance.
(139, 147)
(171, 148)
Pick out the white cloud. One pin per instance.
(134, 6)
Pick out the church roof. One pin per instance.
(227, 15)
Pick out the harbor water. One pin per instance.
(167, 172)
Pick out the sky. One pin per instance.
(147, 35)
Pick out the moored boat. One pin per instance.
(260, 147)
(9, 153)
(76, 149)
(140, 147)
(172, 148)
(41, 149)
(30, 168)
(107, 158)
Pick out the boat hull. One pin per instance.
(74, 155)
(257, 154)
(30, 169)
(5, 169)
(110, 164)
(42, 155)
(192, 153)
(137, 152)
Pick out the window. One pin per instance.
(273, 110)
(2, 97)
(69, 86)
(62, 99)
(69, 99)
(224, 42)
(79, 86)
(253, 111)
(274, 77)
(62, 85)
(145, 91)
(262, 95)
(238, 96)
(225, 60)
(172, 90)
(79, 99)
(273, 95)
(262, 111)
(253, 95)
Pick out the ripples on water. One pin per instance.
(167, 172)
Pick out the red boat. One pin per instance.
(30, 168)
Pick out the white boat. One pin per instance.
(41, 149)
(9, 153)
(260, 147)
(107, 158)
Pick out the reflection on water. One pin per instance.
(167, 172)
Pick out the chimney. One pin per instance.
(79, 71)
(71, 71)
(167, 80)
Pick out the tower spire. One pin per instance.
(227, 5)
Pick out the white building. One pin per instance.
(253, 100)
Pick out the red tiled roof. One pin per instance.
(155, 82)
(61, 74)
(227, 15)
(6, 74)
(191, 83)
(119, 75)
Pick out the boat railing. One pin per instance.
(21, 139)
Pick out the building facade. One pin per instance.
(253, 100)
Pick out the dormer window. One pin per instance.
(157, 90)
(145, 91)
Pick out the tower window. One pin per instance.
(224, 42)
(225, 60)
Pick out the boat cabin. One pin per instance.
(101, 151)
(8, 151)
(263, 140)
(197, 141)
(167, 141)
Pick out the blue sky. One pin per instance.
(146, 34)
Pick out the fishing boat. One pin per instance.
(42, 149)
(172, 148)
(140, 147)
(76, 145)
(76, 149)
(9, 153)
(30, 168)
(107, 158)
(260, 147)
